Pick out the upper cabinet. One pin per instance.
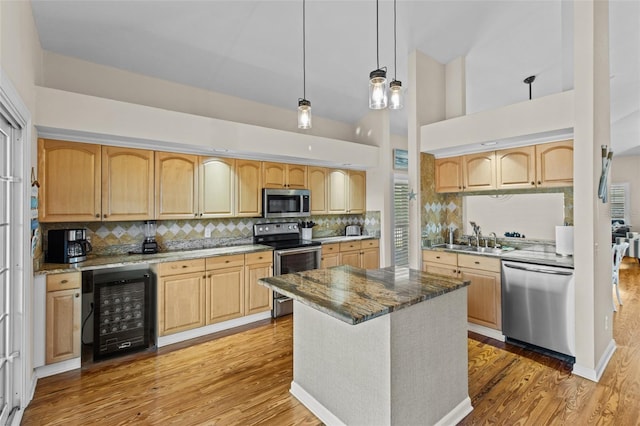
(176, 186)
(347, 191)
(217, 186)
(127, 184)
(249, 188)
(317, 177)
(535, 166)
(473, 172)
(70, 176)
(280, 175)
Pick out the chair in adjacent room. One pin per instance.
(617, 251)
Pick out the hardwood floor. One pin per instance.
(244, 379)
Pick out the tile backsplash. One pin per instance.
(113, 238)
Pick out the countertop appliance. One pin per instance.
(352, 230)
(149, 245)
(67, 245)
(291, 254)
(538, 306)
(285, 202)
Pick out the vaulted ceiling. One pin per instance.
(253, 49)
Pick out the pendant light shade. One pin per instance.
(304, 106)
(378, 89)
(395, 88)
(304, 114)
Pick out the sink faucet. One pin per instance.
(476, 232)
(495, 239)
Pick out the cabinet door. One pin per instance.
(554, 164)
(479, 171)
(338, 185)
(181, 302)
(483, 297)
(449, 174)
(69, 175)
(440, 269)
(127, 184)
(351, 258)
(258, 298)
(330, 260)
(274, 175)
(370, 258)
(357, 191)
(216, 187)
(176, 186)
(516, 167)
(63, 325)
(249, 188)
(225, 294)
(296, 176)
(318, 188)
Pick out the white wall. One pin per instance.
(627, 170)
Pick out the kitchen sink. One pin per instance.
(472, 249)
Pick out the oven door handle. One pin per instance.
(298, 250)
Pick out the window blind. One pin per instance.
(401, 223)
(618, 202)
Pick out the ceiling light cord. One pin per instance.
(304, 50)
(377, 36)
(395, 54)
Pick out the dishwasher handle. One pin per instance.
(540, 270)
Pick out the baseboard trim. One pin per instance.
(213, 328)
(454, 416)
(590, 373)
(57, 368)
(319, 410)
(486, 331)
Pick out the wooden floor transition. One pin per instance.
(244, 378)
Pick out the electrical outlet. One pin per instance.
(207, 232)
(606, 322)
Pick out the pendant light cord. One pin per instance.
(377, 37)
(304, 51)
(395, 44)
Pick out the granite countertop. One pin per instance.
(355, 295)
(102, 262)
(520, 255)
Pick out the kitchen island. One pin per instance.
(383, 346)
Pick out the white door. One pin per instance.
(10, 283)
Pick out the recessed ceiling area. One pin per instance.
(253, 49)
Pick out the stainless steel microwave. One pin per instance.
(286, 202)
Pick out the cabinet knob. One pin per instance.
(476, 262)
(539, 182)
(64, 281)
(184, 266)
(104, 215)
(533, 183)
(77, 295)
(195, 215)
(97, 215)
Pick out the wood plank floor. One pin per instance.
(244, 378)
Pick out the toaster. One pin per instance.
(352, 230)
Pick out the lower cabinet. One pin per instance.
(258, 298)
(330, 255)
(360, 254)
(225, 288)
(484, 295)
(64, 304)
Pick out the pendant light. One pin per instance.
(378, 77)
(395, 87)
(304, 106)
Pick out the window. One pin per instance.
(619, 202)
(401, 222)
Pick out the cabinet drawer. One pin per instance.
(65, 281)
(259, 257)
(331, 248)
(479, 262)
(370, 243)
(219, 262)
(440, 257)
(350, 245)
(181, 267)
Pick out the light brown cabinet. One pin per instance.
(474, 172)
(484, 294)
(258, 298)
(63, 317)
(317, 178)
(70, 177)
(217, 187)
(176, 185)
(516, 167)
(181, 296)
(347, 191)
(330, 255)
(281, 175)
(554, 164)
(249, 188)
(360, 254)
(225, 288)
(127, 184)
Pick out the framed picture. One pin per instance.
(400, 159)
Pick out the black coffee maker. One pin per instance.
(67, 246)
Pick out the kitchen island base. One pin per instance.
(407, 367)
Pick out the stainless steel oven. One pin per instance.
(291, 254)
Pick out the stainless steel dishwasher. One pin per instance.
(538, 305)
